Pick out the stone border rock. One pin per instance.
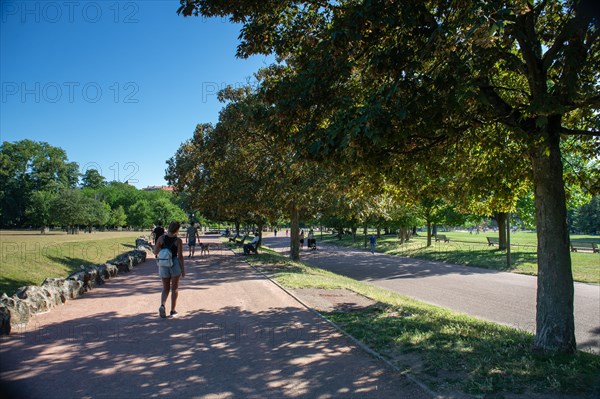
(16, 310)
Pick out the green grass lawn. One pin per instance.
(472, 250)
(27, 258)
(446, 350)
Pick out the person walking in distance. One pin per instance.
(170, 275)
(192, 235)
(373, 241)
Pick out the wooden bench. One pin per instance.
(493, 241)
(441, 237)
(233, 237)
(584, 246)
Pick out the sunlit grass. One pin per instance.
(27, 258)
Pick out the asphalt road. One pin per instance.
(505, 298)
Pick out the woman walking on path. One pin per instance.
(170, 275)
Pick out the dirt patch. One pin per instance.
(338, 300)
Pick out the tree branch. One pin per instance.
(502, 110)
(519, 91)
(592, 101)
(577, 132)
(540, 7)
(514, 62)
(524, 32)
(550, 56)
(574, 50)
(592, 39)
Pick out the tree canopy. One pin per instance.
(28, 166)
(396, 82)
(38, 187)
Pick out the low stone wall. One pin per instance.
(16, 310)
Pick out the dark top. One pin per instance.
(158, 231)
(170, 242)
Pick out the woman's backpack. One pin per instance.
(165, 256)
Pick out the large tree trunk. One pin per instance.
(295, 233)
(501, 220)
(555, 327)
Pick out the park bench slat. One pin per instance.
(584, 246)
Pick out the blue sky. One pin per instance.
(119, 85)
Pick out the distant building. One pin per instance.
(155, 188)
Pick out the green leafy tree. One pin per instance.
(96, 213)
(587, 217)
(525, 211)
(395, 78)
(241, 171)
(69, 209)
(405, 218)
(164, 210)
(39, 211)
(118, 218)
(119, 194)
(92, 179)
(28, 166)
(140, 214)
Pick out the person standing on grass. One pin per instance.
(192, 235)
(373, 241)
(170, 275)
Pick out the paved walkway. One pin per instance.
(506, 298)
(238, 336)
